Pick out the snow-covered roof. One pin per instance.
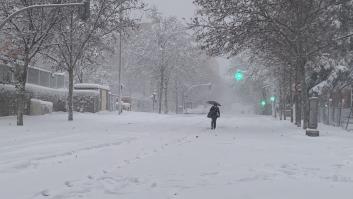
(91, 86)
(86, 92)
(42, 89)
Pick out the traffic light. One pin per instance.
(85, 10)
(273, 99)
(239, 75)
(263, 103)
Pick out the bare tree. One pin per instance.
(30, 33)
(76, 38)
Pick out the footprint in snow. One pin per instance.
(154, 185)
(45, 193)
(134, 180)
(68, 184)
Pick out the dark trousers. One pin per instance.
(214, 123)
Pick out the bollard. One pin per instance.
(312, 130)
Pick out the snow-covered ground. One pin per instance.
(150, 156)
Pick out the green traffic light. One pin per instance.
(263, 103)
(273, 99)
(239, 75)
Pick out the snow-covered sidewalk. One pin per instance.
(141, 155)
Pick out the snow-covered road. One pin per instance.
(150, 156)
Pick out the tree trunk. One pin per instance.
(80, 77)
(298, 110)
(305, 95)
(166, 108)
(291, 97)
(281, 112)
(298, 118)
(70, 96)
(280, 103)
(161, 83)
(20, 95)
(21, 76)
(176, 98)
(284, 95)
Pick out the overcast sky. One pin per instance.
(178, 8)
(182, 9)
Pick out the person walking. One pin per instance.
(214, 114)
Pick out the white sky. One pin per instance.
(178, 8)
(182, 9)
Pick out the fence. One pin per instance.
(335, 116)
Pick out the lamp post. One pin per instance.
(192, 87)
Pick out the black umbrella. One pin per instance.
(214, 103)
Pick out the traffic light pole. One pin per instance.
(3, 23)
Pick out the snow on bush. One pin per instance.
(57, 96)
(86, 101)
(40, 107)
(8, 100)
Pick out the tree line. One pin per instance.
(158, 53)
(299, 45)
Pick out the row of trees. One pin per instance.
(58, 36)
(299, 44)
(159, 57)
(159, 54)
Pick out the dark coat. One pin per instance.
(214, 112)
